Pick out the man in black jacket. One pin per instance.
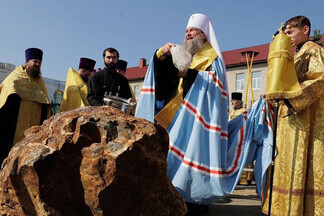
(108, 81)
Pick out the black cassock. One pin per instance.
(107, 81)
(167, 79)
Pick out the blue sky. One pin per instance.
(69, 29)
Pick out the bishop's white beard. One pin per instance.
(182, 54)
(194, 46)
(181, 57)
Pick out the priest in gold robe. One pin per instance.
(298, 183)
(24, 101)
(237, 105)
(76, 90)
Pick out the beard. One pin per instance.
(34, 72)
(193, 46)
(110, 65)
(181, 58)
(182, 55)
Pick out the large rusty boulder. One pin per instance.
(90, 161)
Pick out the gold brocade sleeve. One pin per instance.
(309, 63)
(159, 53)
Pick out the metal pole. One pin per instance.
(275, 106)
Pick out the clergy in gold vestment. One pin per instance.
(236, 103)
(23, 101)
(298, 187)
(76, 90)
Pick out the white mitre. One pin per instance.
(202, 22)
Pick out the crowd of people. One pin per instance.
(25, 102)
(186, 85)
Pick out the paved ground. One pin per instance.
(243, 202)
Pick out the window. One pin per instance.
(256, 80)
(240, 82)
(136, 91)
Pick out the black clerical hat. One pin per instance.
(87, 64)
(33, 53)
(236, 96)
(122, 65)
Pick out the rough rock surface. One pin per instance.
(90, 161)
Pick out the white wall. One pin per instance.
(51, 84)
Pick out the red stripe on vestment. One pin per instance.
(266, 118)
(208, 170)
(176, 151)
(200, 118)
(270, 110)
(219, 83)
(238, 151)
(147, 90)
